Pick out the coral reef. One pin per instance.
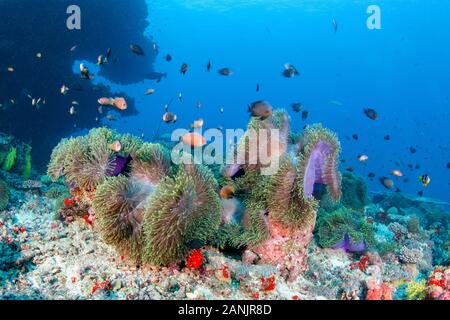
(407, 255)
(416, 290)
(156, 214)
(26, 171)
(4, 194)
(438, 285)
(378, 292)
(65, 258)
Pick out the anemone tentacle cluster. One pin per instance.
(344, 229)
(185, 208)
(148, 209)
(86, 161)
(281, 209)
(153, 211)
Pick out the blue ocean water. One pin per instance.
(402, 71)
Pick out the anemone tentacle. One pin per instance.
(286, 204)
(151, 163)
(119, 205)
(85, 162)
(183, 209)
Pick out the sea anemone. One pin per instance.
(228, 235)
(119, 201)
(55, 168)
(130, 144)
(85, 162)
(344, 229)
(4, 195)
(92, 168)
(317, 161)
(256, 229)
(271, 135)
(119, 205)
(183, 209)
(247, 172)
(286, 201)
(151, 163)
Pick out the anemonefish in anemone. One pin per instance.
(193, 139)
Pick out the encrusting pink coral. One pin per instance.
(378, 292)
(287, 249)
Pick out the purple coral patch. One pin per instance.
(347, 245)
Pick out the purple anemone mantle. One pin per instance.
(119, 165)
(347, 245)
(317, 162)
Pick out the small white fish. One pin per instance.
(149, 92)
(73, 48)
(39, 55)
(363, 158)
(336, 103)
(397, 173)
(72, 111)
(64, 89)
(100, 60)
(11, 69)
